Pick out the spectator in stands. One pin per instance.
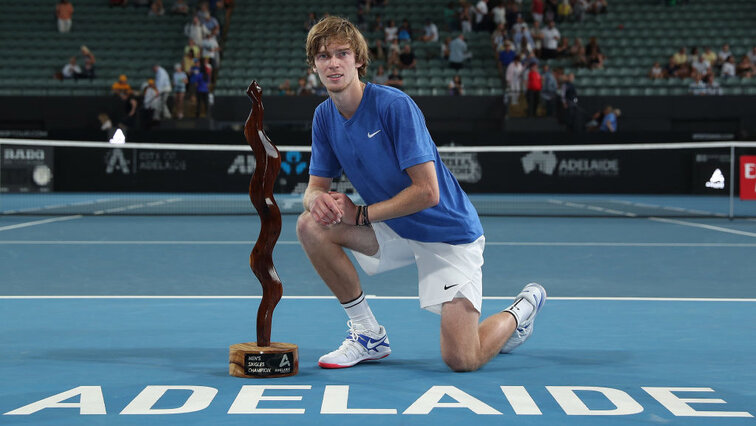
(156, 8)
(456, 88)
(200, 81)
(121, 86)
(499, 13)
(482, 18)
(205, 65)
(550, 10)
(180, 80)
(752, 55)
(458, 53)
(196, 31)
(313, 82)
(745, 68)
(465, 18)
(656, 72)
(211, 50)
(579, 8)
(129, 112)
(72, 69)
(390, 32)
(680, 59)
(395, 79)
(514, 80)
(723, 54)
(393, 53)
(551, 38)
(180, 8)
(191, 52)
(593, 54)
(563, 50)
(712, 87)
(89, 63)
(64, 12)
(671, 69)
(697, 87)
(548, 90)
(521, 36)
(445, 49)
(430, 31)
(378, 52)
(407, 58)
(577, 53)
(378, 23)
(404, 33)
(728, 68)
(302, 89)
(380, 76)
(451, 17)
(310, 21)
(529, 59)
(150, 104)
(701, 65)
(506, 56)
(285, 89)
(609, 121)
(163, 86)
(710, 56)
(536, 10)
(536, 34)
(498, 36)
(597, 6)
(564, 11)
(534, 86)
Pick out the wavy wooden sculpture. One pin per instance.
(263, 358)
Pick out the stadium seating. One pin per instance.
(123, 40)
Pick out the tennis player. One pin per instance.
(416, 212)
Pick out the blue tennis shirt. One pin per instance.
(385, 136)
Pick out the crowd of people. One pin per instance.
(704, 66)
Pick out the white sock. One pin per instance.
(360, 314)
(521, 309)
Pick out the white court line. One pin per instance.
(488, 243)
(39, 222)
(704, 226)
(371, 296)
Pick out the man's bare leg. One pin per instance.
(467, 345)
(325, 245)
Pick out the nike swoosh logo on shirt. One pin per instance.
(370, 135)
(447, 287)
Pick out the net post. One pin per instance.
(732, 180)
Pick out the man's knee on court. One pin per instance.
(307, 229)
(460, 360)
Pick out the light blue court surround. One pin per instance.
(125, 345)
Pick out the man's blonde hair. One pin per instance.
(336, 29)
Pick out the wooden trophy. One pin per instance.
(263, 358)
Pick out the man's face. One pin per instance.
(336, 66)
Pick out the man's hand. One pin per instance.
(347, 207)
(325, 209)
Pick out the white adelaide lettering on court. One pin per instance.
(23, 154)
(89, 400)
(548, 163)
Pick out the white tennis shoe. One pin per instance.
(360, 345)
(534, 294)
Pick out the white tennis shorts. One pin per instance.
(445, 271)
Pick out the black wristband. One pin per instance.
(357, 218)
(365, 219)
(362, 216)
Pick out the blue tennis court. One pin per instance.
(127, 320)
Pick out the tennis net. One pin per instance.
(40, 177)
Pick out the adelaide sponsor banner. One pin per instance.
(643, 171)
(26, 168)
(748, 177)
(148, 170)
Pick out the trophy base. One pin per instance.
(252, 361)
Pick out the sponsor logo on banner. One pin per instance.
(748, 177)
(548, 163)
(21, 154)
(717, 180)
(293, 163)
(243, 164)
(463, 165)
(116, 161)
